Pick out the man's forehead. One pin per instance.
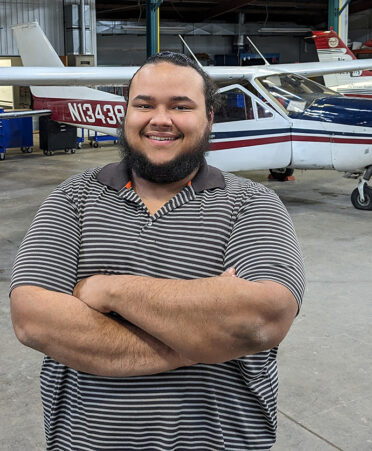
(149, 74)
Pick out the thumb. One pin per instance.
(229, 272)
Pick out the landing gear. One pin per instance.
(361, 197)
(281, 173)
(26, 149)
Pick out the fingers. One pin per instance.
(229, 272)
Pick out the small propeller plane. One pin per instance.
(269, 117)
(331, 48)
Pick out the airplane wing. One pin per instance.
(116, 76)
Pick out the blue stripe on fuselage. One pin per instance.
(305, 131)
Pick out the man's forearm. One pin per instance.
(66, 329)
(210, 320)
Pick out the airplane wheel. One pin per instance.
(281, 173)
(95, 144)
(80, 145)
(355, 198)
(29, 149)
(73, 150)
(48, 152)
(2, 156)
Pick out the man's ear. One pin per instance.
(210, 118)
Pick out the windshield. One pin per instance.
(294, 93)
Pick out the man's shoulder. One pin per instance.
(80, 181)
(237, 185)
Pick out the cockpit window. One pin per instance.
(292, 92)
(263, 112)
(233, 105)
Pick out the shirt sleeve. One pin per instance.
(263, 244)
(49, 253)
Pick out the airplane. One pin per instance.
(331, 48)
(269, 117)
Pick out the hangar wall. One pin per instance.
(360, 25)
(49, 14)
(115, 49)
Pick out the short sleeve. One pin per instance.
(263, 244)
(49, 253)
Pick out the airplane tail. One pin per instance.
(36, 50)
(76, 105)
(331, 48)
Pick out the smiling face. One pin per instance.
(166, 121)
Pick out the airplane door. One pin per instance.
(247, 133)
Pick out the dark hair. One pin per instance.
(178, 59)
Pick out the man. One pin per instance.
(188, 279)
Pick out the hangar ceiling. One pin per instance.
(301, 12)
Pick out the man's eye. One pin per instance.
(182, 107)
(142, 106)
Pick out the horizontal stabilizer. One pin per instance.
(17, 114)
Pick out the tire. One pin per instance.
(281, 173)
(95, 144)
(357, 203)
(2, 156)
(29, 149)
(80, 145)
(73, 150)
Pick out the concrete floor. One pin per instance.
(325, 363)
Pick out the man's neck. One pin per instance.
(155, 195)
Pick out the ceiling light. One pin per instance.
(284, 30)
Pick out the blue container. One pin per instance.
(15, 132)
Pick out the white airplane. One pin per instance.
(331, 48)
(269, 118)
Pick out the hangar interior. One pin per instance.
(324, 365)
(216, 31)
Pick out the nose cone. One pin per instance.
(339, 110)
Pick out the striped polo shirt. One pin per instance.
(96, 223)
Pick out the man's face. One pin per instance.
(166, 127)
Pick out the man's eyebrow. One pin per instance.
(173, 99)
(143, 97)
(182, 99)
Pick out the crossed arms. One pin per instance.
(169, 323)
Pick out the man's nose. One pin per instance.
(161, 118)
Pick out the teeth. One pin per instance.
(161, 138)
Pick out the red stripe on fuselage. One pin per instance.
(363, 96)
(248, 142)
(273, 140)
(98, 113)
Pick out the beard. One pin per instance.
(173, 171)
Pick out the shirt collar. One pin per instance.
(116, 176)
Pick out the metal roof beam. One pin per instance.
(226, 6)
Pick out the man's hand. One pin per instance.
(95, 292)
